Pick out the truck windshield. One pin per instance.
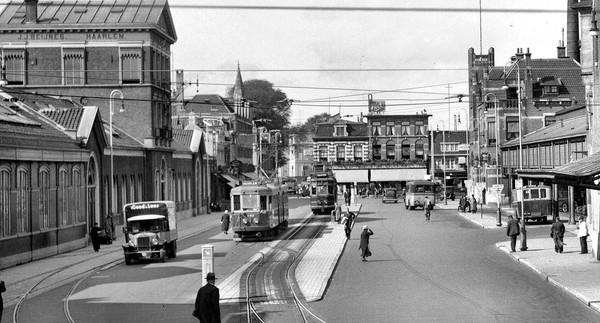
(145, 225)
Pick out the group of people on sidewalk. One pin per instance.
(557, 233)
(467, 204)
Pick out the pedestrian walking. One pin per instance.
(338, 212)
(364, 243)
(347, 225)
(110, 227)
(427, 208)
(583, 233)
(557, 233)
(2, 290)
(473, 204)
(513, 231)
(207, 308)
(95, 235)
(225, 218)
(347, 196)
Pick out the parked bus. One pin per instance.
(259, 210)
(416, 191)
(323, 192)
(537, 202)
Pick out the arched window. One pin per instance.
(4, 201)
(376, 150)
(405, 147)
(23, 186)
(63, 195)
(76, 214)
(390, 148)
(44, 184)
(419, 149)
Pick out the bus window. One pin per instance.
(263, 202)
(420, 189)
(236, 203)
(543, 193)
(428, 189)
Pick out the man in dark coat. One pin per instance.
(207, 308)
(557, 232)
(225, 221)
(364, 242)
(512, 230)
(347, 196)
(95, 234)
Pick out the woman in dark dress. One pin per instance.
(364, 242)
(225, 221)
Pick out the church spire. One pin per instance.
(238, 88)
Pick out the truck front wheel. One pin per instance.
(173, 249)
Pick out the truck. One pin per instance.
(150, 231)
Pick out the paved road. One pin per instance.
(447, 270)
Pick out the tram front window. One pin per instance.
(324, 189)
(250, 202)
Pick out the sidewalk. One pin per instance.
(70, 266)
(574, 272)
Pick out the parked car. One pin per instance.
(389, 195)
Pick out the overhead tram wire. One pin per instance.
(366, 9)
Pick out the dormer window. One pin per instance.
(340, 131)
(552, 89)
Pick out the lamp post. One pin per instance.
(277, 141)
(110, 126)
(214, 166)
(444, 159)
(467, 138)
(514, 65)
(497, 132)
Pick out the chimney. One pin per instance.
(560, 49)
(573, 49)
(31, 11)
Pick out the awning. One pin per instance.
(397, 174)
(584, 172)
(231, 181)
(351, 175)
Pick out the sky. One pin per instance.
(329, 55)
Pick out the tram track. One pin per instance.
(291, 251)
(84, 275)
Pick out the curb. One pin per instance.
(593, 305)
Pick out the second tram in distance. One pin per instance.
(323, 192)
(259, 210)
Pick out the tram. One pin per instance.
(259, 210)
(416, 191)
(323, 192)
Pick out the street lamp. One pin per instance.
(444, 159)
(497, 132)
(514, 65)
(214, 166)
(110, 125)
(277, 141)
(466, 137)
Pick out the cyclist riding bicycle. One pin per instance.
(427, 208)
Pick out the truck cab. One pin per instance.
(150, 231)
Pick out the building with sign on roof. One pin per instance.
(551, 89)
(63, 61)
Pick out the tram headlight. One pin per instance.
(154, 241)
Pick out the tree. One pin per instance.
(269, 104)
